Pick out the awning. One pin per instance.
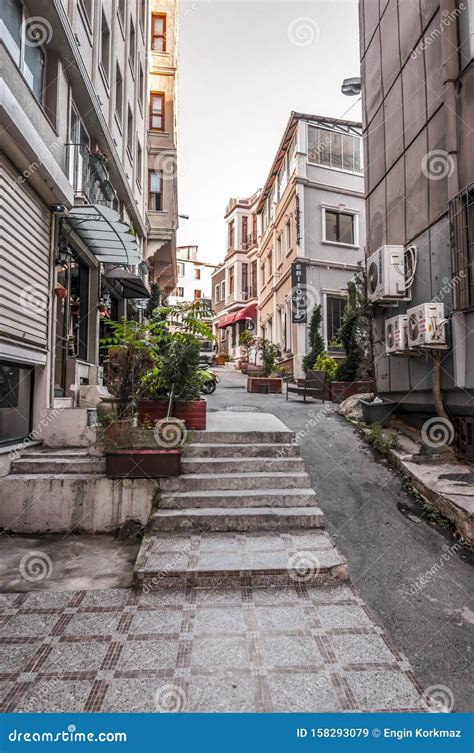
(249, 312)
(225, 321)
(104, 234)
(132, 285)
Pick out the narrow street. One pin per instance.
(388, 553)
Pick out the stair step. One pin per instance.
(224, 482)
(237, 450)
(58, 466)
(243, 519)
(231, 437)
(243, 464)
(226, 559)
(237, 498)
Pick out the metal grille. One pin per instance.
(461, 219)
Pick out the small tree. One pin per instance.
(268, 352)
(316, 342)
(356, 332)
(246, 341)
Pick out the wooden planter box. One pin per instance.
(192, 412)
(135, 463)
(254, 384)
(341, 390)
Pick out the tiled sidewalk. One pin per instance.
(292, 648)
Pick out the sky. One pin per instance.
(244, 65)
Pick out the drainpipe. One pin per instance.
(437, 357)
(449, 46)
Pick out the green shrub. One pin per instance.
(316, 342)
(325, 362)
(382, 441)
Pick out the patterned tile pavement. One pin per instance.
(293, 648)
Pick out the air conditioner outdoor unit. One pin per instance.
(386, 274)
(396, 334)
(426, 326)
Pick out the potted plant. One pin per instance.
(270, 381)
(326, 366)
(175, 368)
(353, 374)
(246, 341)
(130, 451)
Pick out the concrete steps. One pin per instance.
(238, 450)
(236, 437)
(226, 560)
(58, 466)
(238, 498)
(230, 482)
(240, 519)
(242, 465)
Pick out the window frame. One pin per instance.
(105, 73)
(163, 35)
(354, 213)
(161, 96)
(355, 139)
(132, 57)
(155, 193)
(330, 295)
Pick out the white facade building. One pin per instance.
(194, 277)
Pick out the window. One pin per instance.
(245, 278)
(197, 294)
(141, 86)
(288, 234)
(461, 216)
(143, 15)
(179, 292)
(158, 32)
(222, 290)
(254, 228)
(20, 39)
(180, 269)
(197, 274)
(155, 198)
(217, 293)
(334, 312)
(34, 69)
(231, 281)
(245, 230)
(121, 12)
(231, 234)
(130, 133)
(157, 111)
(87, 8)
(278, 250)
(253, 280)
(119, 94)
(139, 163)
(339, 227)
(270, 264)
(133, 47)
(10, 28)
(340, 151)
(105, 46)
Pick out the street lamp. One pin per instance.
(351, 86)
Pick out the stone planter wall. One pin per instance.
(135, 463)
(341, 390)
(192, 412)
(275, 384)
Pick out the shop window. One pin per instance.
(335, 306)
(16, 383)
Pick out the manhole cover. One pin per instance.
(242, 408)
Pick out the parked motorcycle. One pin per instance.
(209, 382)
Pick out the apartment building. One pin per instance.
(418, 84)
(234, 283)
(73, 116)
(312, 225)
(162, 181)
(194, 277)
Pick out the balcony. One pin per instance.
(89, 176)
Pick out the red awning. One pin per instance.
(249, 312)
(226, 320)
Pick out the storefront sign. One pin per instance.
(299, 299)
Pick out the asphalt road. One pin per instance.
(414, 576)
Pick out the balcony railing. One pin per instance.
(89, 176)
